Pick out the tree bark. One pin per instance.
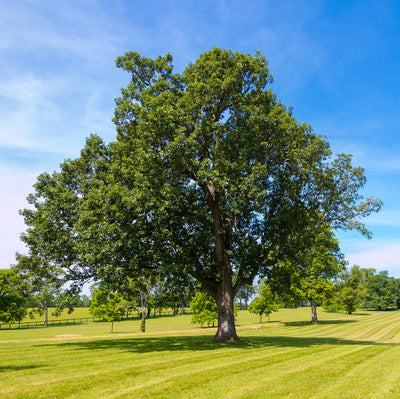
(314, 318)
(226, 317)
(223, 291)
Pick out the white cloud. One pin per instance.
(15, 188)
(378, 255)
(53, 114)
(388, 218)
(73, 29)
(26, 102)
(57, 74)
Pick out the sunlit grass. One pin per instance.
(76, 313)
(350, 357)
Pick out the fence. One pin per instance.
(80, 320)
(41, 323)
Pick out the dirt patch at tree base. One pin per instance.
(68, 335)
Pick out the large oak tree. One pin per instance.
(211, 175)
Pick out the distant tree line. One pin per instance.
(364, 288)
(29, 294)
(345, 290)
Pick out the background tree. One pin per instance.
(140, 290)
(265, 303)
(310, 277)
(144, 285)
(13, 296)
(210, 175)
(244, 295)
(45, 287)
(350, 291)
(107, 305)
(204, 309)
(84, 301)
(382, 291)
(175, 291)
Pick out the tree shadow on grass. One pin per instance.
(320, 322)
(201, 343)
(18, 368)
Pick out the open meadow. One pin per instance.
(356, 356)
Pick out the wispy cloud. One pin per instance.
(27, 104)
(78, 29)
(380, 256)
(385, 218)
(16, 185)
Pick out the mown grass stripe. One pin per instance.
(151, 376)
(176, 384)
(270, 362)
(368, 377)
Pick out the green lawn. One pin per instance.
(354, 356)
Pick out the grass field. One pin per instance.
(354, 356)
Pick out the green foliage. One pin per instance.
(333, 304)
(244, 294)
(210, 175)
(107, 305)
(44, 284)
(13, 296)
(365, 288)
(265, 303)
(204, 309)
(350, 291)
(310, 277)
(83, 301)
(382, 291)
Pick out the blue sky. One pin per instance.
(337, 63)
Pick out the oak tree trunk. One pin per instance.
(226, 317)
(222, 291)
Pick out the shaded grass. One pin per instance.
(347, 358)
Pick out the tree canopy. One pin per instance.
(211, 175)
(13, 296)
